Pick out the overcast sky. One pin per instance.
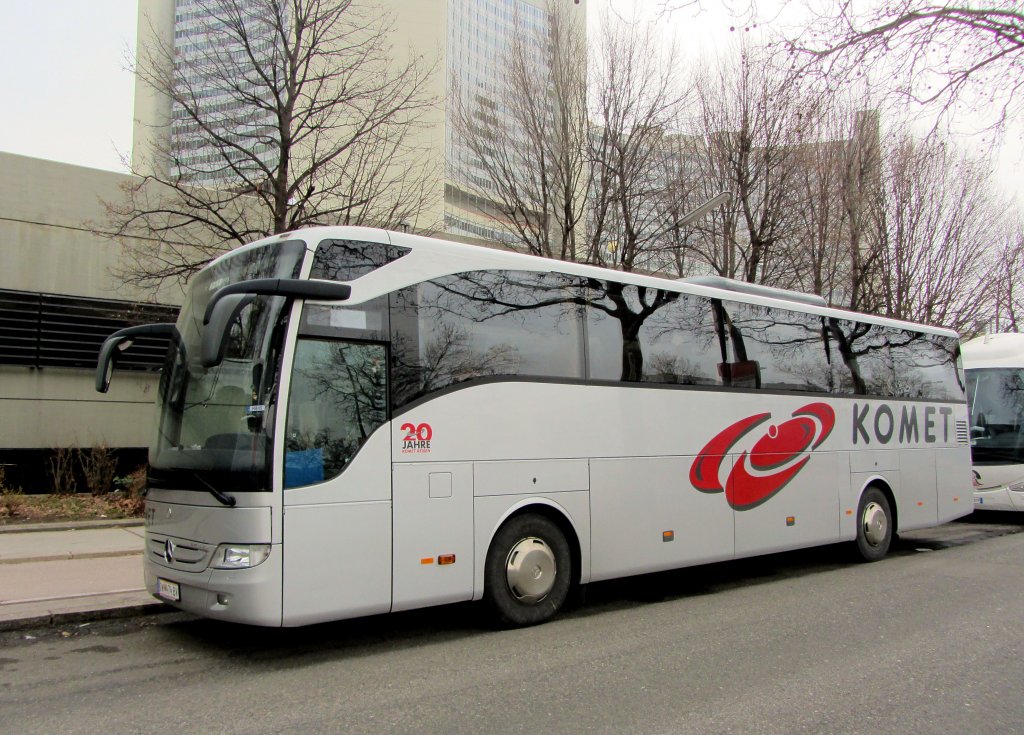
(69, 96)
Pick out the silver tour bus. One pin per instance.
(352, 421)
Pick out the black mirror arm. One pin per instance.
(213, 343)
(111, 343)
(295, 288)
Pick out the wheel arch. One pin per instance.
(555, 513)
(885, 488)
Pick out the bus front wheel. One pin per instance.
(527, 572)
(874, 525)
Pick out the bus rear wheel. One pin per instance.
(527, 572)
(874, 525)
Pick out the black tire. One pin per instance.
(874, 525)
(532, 548)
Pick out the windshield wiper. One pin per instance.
(223, 498)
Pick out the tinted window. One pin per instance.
(893, 362)
(638, 334)
(925, 365)
(484, 324)
(863, 365)
(996, 399)
(338, 397)
(346, 260)
(777, 349)
(367, 320)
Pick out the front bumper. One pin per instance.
(251, 596)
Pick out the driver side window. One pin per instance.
(338, 397)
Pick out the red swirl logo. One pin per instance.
(771, 462)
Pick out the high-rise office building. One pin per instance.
(216, 94)
(469, 38)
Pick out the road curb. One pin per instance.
(71, 525)
(54, 620)
(71, 556)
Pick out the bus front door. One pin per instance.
(337, 483)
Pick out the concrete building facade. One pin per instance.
(60, 296)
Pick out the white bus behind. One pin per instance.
(994, 367)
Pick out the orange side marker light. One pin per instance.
(446, 559)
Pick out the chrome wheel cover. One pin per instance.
(875, 523)
(530, 570)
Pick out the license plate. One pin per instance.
(168, 590)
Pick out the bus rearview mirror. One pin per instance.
(227, 302)
(215, 333)
(294, 288)
(120, 341)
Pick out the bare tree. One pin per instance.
(286, 113)
(835, 241)
(561, 185)
(940, 221)
(818, 261)
(526, 171)
(635, 100)
(672, 254)
(940, 54)
(744, 11)
(1009, 280)
(749, 127)
(863, 204)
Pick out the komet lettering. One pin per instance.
(886, 413)
(908, 425)
(882, 424)
(858, 424)
(946, 412)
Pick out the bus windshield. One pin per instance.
(214, 425)
(996, 397)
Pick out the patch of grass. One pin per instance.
(21, 508)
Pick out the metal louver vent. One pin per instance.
(50, 330)
(962, 435)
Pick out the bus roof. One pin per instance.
(433, 258)
(994, 350)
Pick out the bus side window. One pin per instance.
(484, 324)
(653, 336)
(865, 366)
(776, 348)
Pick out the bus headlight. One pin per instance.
(240, 556)
(1017, 487)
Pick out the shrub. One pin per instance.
(98, 465)
(11, 498)
(62, 470)
(133, 488)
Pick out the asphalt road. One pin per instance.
(926, 641)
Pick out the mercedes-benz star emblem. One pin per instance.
(169, 551)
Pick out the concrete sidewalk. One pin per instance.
(50, 572)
